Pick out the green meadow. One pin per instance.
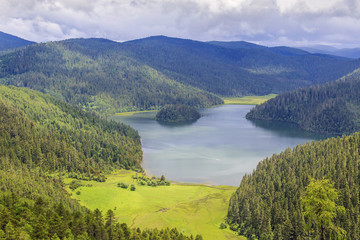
(248, 100)
(191, 208)
(127, 114)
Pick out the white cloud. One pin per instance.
(265, 21)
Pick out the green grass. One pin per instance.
(127, 114)
(248, 100)
(191, 208)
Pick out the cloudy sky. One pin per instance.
(268, 22)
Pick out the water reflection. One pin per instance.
(219, 148)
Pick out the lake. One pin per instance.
(218, 149)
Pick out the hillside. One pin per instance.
(333, 108)
(88, 73)
(40, 131)
(42, 140)
(235, 71)
(267, 203)
(8, 42)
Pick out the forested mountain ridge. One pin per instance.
(267, 203)
(8, 42)
(41, 140)
(88, 73)
(145, 74)
(332, 108)
(226, 71)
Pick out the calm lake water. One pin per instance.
(218, 149)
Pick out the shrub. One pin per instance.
(123, 185)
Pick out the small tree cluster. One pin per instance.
(153, 182)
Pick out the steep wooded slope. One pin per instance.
(90, 74)
(267, 203)
(332, 108)
(41, 131)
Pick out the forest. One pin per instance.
(332, 108)
(267, 205)
(236, 69)
(177, 114)
(110, 77)
(94, 78)
(43, 140)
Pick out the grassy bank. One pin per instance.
(248, 100)
(127, 114)
(191, 208)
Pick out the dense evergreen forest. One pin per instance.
(235, 69)
(91, 74)
(177, 114)
(267, 203)
(145, 74)
(332, 108)
(42, 140)
(41, 131)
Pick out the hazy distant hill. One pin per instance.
(331, 108)
(343, 52)
(8, 41)
(92, 74)
(236, 68)
(283, 50)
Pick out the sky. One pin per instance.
(266, 22)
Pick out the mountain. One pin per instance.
(109, 77)
(267, 203)
(343, 52)
(283, 50)
(8, 42)
(333, 108)
(90, 73)
(234, 71)
(237, 45)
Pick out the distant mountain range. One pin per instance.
(344, 52)
(8, 41)
(109, 77)
(233, 71)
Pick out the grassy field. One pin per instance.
(191, 208)
(248, 100)
(127, 114)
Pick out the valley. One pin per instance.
(77, 128)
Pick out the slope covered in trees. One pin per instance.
(332, 108)
(267, 203)
(91, 74)
(8, 41)
(41, 139)
(40, 131)
(234, 71)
